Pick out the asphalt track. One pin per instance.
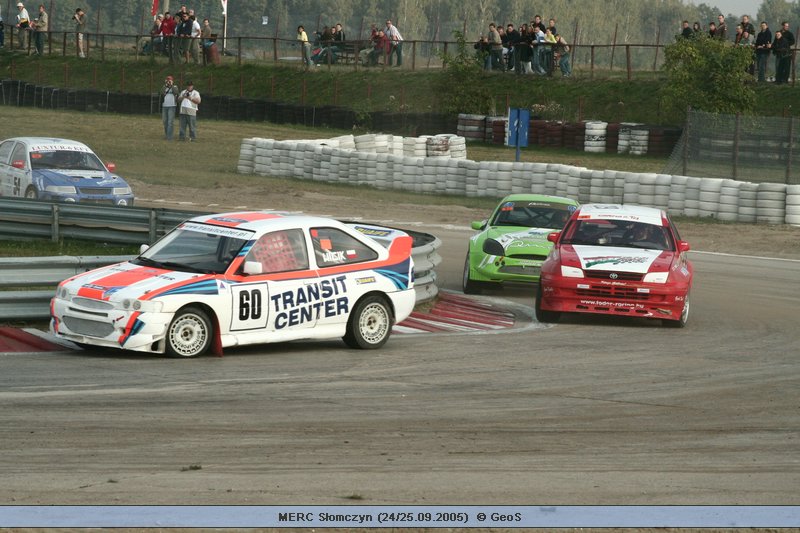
(599, 410)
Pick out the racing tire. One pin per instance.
(468, 285)
(190, 333)
(370, 324)
(31, 193)
(681, 322)
(542, 315)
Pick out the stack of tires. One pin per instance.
(595, 137)
(471, 127)
(793, 204)
(771, 203)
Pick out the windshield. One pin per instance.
(65, 160)
(532, 215)
(620, 233)
(196, 247)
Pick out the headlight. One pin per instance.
(656, 277)
(571, 272)
(61, 189)
(145, 306)
(121, 191)
(63, 293)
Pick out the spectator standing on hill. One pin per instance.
(747, 25)
(183, 33)
(156, 38)
(686, 31)
(552, 27)
(763, 43)
(168, 31)
(169, 101)
(712, 29)
(538, 24)
(697, 29)
(194, 44)
(396, 43)
(783, 57)
(41, 26)
(23, 25)
(550, 40)
(787, 34)
(381, 48)
(495, 48)
(188, 101)
(483, 51)
(562, 53)
(305, 46)
(513, 37)
(721, 32)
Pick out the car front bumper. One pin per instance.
(109, 327)
(582, 295)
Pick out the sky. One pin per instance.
(735, 7)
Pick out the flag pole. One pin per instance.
(224, 26)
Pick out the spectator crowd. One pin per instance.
(533, 48)
(764, 44)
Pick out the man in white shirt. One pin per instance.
(194, 47)
(396, 39)
(23, 25)
(188, 101)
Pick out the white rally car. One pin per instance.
(244, 278)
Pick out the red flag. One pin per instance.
(155, 8)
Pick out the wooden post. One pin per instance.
(658, 43)
(241, 85)
(413, 55)
(122, 80)
(239, 51)
(272, 88)
(66, 74)
(614, 46)
(628, 59)
(591, 64)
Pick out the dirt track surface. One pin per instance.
(591, 411)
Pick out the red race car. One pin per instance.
(624, 260)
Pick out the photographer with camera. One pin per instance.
(188, 100)
(169, 102)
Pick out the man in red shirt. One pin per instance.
(168, 31)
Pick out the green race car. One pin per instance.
(512, 244)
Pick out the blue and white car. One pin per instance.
(59, 170)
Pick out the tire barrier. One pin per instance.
(423, 165)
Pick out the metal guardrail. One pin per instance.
(28, 283)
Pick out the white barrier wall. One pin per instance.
(438, 165)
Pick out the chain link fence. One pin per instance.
(740, 147)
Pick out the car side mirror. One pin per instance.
(683, 246)
(478, 224)
(111, 167)
(143, 248)
(492, 247)
(253, 268)
(18, 163)
(553, 237)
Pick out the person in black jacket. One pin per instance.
(763, 44)
(783, 57)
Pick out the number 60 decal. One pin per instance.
(249, 309)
